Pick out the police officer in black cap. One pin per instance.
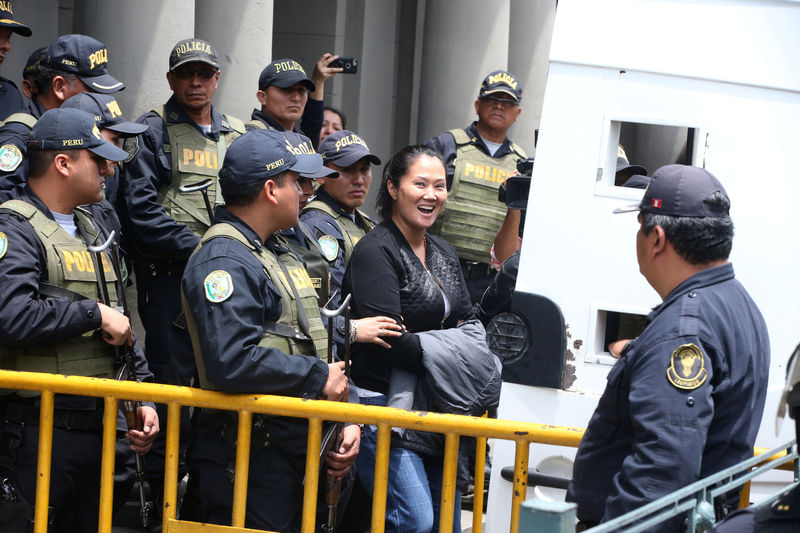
(185, 143)
(29, 72)
(72, 64)
(11, 100)
(479, 158)
(255, 327)
(686, 397)
(50, 318)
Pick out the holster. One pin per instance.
(259, 438)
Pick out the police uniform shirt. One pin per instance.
(322, 224)
(27, 318)
(14, 150)
(11, 100)
(231, 321)
(445, 144)
(684, 400)
(148, 169)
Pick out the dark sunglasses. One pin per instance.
(189, 73)
(495, 100)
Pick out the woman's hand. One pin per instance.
(372, 328)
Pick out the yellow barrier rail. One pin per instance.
(316, 411)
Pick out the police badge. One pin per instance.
(687, 367)
(10, 157)
(218, 286)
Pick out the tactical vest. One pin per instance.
(20, 118)
(316, 264)
(69, 266)
(195, 158)
(352, 231)
(285, 334)
(472, 216)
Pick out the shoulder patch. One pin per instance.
(132, 147)
(330, 247)
(218, 286)
(3, 244)
(687, 367)
(10, 157)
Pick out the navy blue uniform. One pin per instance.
(672, 414)
(26, 318)
(321, 224)
(11, 100)
(16, 134)
(233, 361)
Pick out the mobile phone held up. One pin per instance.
(349, 64)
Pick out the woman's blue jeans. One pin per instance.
(414, 491)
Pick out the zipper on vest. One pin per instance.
(444, 296)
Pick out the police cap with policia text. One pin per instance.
(106, 111)
(7, 20)
(262, 154)
(72, 129)
(190, 51)
(85, 57)
(344, 148)
(501, 81)
(284, 73)
(680, 191)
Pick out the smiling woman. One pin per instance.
(399, 271)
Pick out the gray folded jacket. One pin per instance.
(462, 375)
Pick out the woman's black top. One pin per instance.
(386, 278)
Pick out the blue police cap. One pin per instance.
(284, 73)
(33, 61)
(680, 191)
(500, 81)
(7, 20)
(262, 154)
(71, 129)
(191, 51)
(85, 57)
(344, 148)
(106, 111)
(299, 144)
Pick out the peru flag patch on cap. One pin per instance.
(655, 202)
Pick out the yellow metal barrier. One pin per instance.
(452, 426)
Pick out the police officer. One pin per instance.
(29, 72)
(334, 215)
(11, 100)
(255, 328)
(479, 158)
(51, 321)
(185, 143)
(287, 95)
(70, 65)
(782, 515)
(686, 397)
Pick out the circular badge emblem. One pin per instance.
(10, 157)
(3, 244)
(330, 247)
(218, 286)
(687, 367)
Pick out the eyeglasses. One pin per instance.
(189, 73)
(494, 100)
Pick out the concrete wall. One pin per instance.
(420, 61)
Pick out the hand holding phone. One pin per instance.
(349, 65)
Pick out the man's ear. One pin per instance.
(660, 240)
(62, 164)
(60, 88)
(262, 97)
(269, 191)
(477, 104)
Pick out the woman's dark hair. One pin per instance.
(341, 115)
(395, 169)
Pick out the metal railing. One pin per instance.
(695, 501)
(316, 411)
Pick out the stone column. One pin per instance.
(41, 16)
(463, 41)
(241, 32)
(530, 33)
(139, 37)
